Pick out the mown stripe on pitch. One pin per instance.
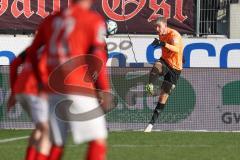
(13, 139)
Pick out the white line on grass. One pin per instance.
(12, 139)
(154, 146)
(163, 145)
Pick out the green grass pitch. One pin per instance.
(141, 146)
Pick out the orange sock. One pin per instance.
(96, 151)
(56, 153)
(31, 153)
(41, 156)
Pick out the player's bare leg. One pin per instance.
(32, 145)
(97, 150)
(34, 138)
(39, 143)
(44, 141)
(157, 70)
(155, 73)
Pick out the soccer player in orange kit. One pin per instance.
(169, 65)
(73, 34)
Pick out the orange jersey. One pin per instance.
(72, 33)
(173, 40)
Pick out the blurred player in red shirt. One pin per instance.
(24, 90)
(76, 57)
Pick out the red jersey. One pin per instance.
(25, 81)
(74, 40)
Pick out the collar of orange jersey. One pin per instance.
(168, 30)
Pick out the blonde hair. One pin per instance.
(160, 19)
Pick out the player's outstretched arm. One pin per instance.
(14, 67)
(174, 46)
(13, 77)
